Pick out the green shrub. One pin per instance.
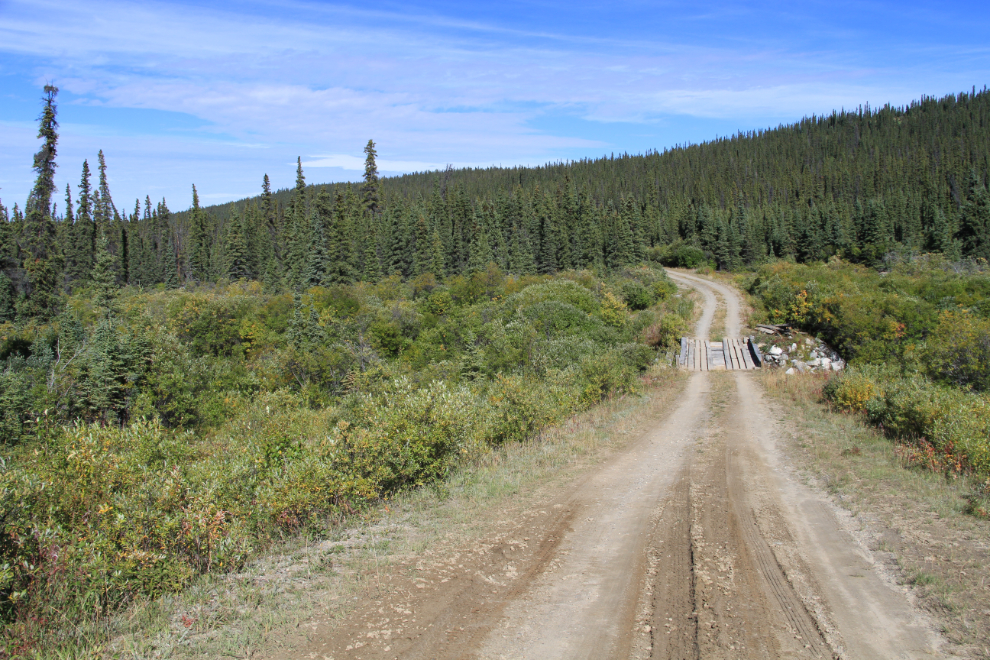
(958, 351)
(604, 374)
(665, 333)
(683, 256)
(954, 423)
(637, 296)
(564, 291)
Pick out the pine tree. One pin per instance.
(42, 262)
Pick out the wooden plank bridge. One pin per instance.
(726, 355)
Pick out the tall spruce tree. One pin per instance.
(42, 262)
(371, 186)
(199, 242)
(236, 249)
(104, 279)
(480, 252)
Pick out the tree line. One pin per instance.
(860, 184)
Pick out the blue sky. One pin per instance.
(218, 94)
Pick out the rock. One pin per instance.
(825, 362)
(801, 366)
(838, 365)
(815, 363)
(809, 341)
(776, 350)
(793, 347)
(790, 372)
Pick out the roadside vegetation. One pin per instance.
(917, 335)
(167, 434)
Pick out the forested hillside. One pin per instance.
(860, 184)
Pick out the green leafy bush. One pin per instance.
(955, 423)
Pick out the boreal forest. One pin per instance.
(860, 184)
(181, 389)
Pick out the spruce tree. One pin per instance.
(104, 279)
(370, 188)
(316, 273)
(199, 244)
(42, 262)
(974, 219)
(298, 235)
(480, 252)
(437, 254)
(236, 250)
(372, 264)
(423, 260)
(8, 297)
(169, 265)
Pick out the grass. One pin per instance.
(249, 613)
(918, 519)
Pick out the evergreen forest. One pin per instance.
(861, 184)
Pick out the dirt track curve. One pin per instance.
(695, 540)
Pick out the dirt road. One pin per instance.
(696, 540)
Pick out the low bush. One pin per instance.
(953, 423)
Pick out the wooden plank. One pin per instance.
(743, 355)
(704, 355)
(755, 350)
(697, 355)
(682, 358)
(735, 354)
(718, 357)
(691, 366)
(708, 355)
(730, 362)
(744, 351)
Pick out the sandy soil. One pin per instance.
(696, 540)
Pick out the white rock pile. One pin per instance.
(820, 357)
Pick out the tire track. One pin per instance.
(674, 625)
